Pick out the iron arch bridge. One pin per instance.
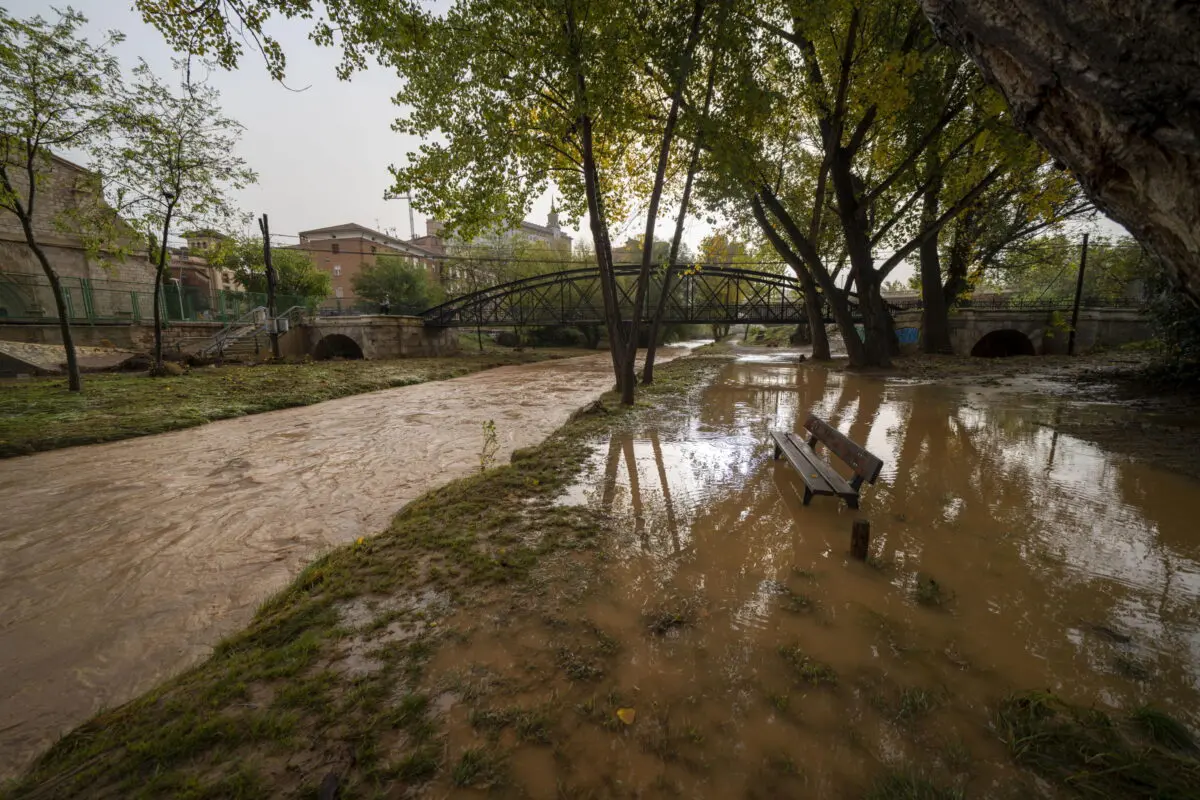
(713, 295)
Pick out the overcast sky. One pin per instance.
(322, 152)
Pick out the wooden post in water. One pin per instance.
(860, 539)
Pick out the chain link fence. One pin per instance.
(30, 298)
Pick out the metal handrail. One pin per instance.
(238, 327)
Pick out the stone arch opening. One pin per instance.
(1002, 344)
(337, 345)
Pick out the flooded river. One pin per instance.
(122, 563)
(760, 661)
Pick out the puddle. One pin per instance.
(762, 661)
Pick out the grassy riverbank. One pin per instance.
(375, 674)
(40, 414)
(326, 683)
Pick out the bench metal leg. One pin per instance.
(778, 451)
(807, 495)
(852, 502)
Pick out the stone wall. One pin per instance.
(67, 189)
(377, 337)
(125, 336)
(385, 337)
(1099, 328)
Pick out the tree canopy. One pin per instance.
(58, 91)
(296, 274)
(401, 285)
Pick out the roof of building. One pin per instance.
(363, 230)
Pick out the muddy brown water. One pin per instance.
(1058, 566)
(123, 563)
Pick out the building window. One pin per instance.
(337, 270)
(372, 249)
(335, 248)
(337, 292)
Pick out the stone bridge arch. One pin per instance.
(337, 345)
(1003, 342)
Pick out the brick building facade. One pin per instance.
(344, 251)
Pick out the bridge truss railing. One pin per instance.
(714, 295)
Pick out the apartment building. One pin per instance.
(346, 250)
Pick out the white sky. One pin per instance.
(321, 154)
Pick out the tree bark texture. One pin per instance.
(1112, 89)
(160, 269)
(935, 322)
(629, 382)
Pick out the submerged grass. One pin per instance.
(1146, 755)
(907, 785)
(40, 414)
(275, 705)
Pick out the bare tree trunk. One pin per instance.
(672, 266)
(876, 328)
(160, 268)
(25, 215)
(664, 157)
(833, 295)
(935, 324)
(812, 298)
(595, 205)
(74, 379)
(956, 270)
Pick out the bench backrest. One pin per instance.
(865, 465)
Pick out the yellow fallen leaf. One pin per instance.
(359, 541)
(627, 715)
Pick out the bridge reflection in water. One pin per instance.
(712, 295)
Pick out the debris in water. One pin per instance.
(627, 715)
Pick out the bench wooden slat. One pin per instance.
(818, 475)
(836, 482)
(813, 481)
(864, 464)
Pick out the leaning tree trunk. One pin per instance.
(956, 270)
(1112, 89)
(595, 206)
(877, 329)
(664, 156)
(935, 322)
(74, 379)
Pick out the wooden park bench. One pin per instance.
(818, 476)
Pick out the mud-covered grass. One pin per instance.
(1146, 754)
(329, 684)
(40, 414)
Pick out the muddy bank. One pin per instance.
(122, 563)
(641, 606)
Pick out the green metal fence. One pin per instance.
(29, 298)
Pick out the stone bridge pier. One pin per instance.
(370, 337)
(1009, 332)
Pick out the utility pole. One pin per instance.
(273, 323)
(1078, 297)
(407, 197)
